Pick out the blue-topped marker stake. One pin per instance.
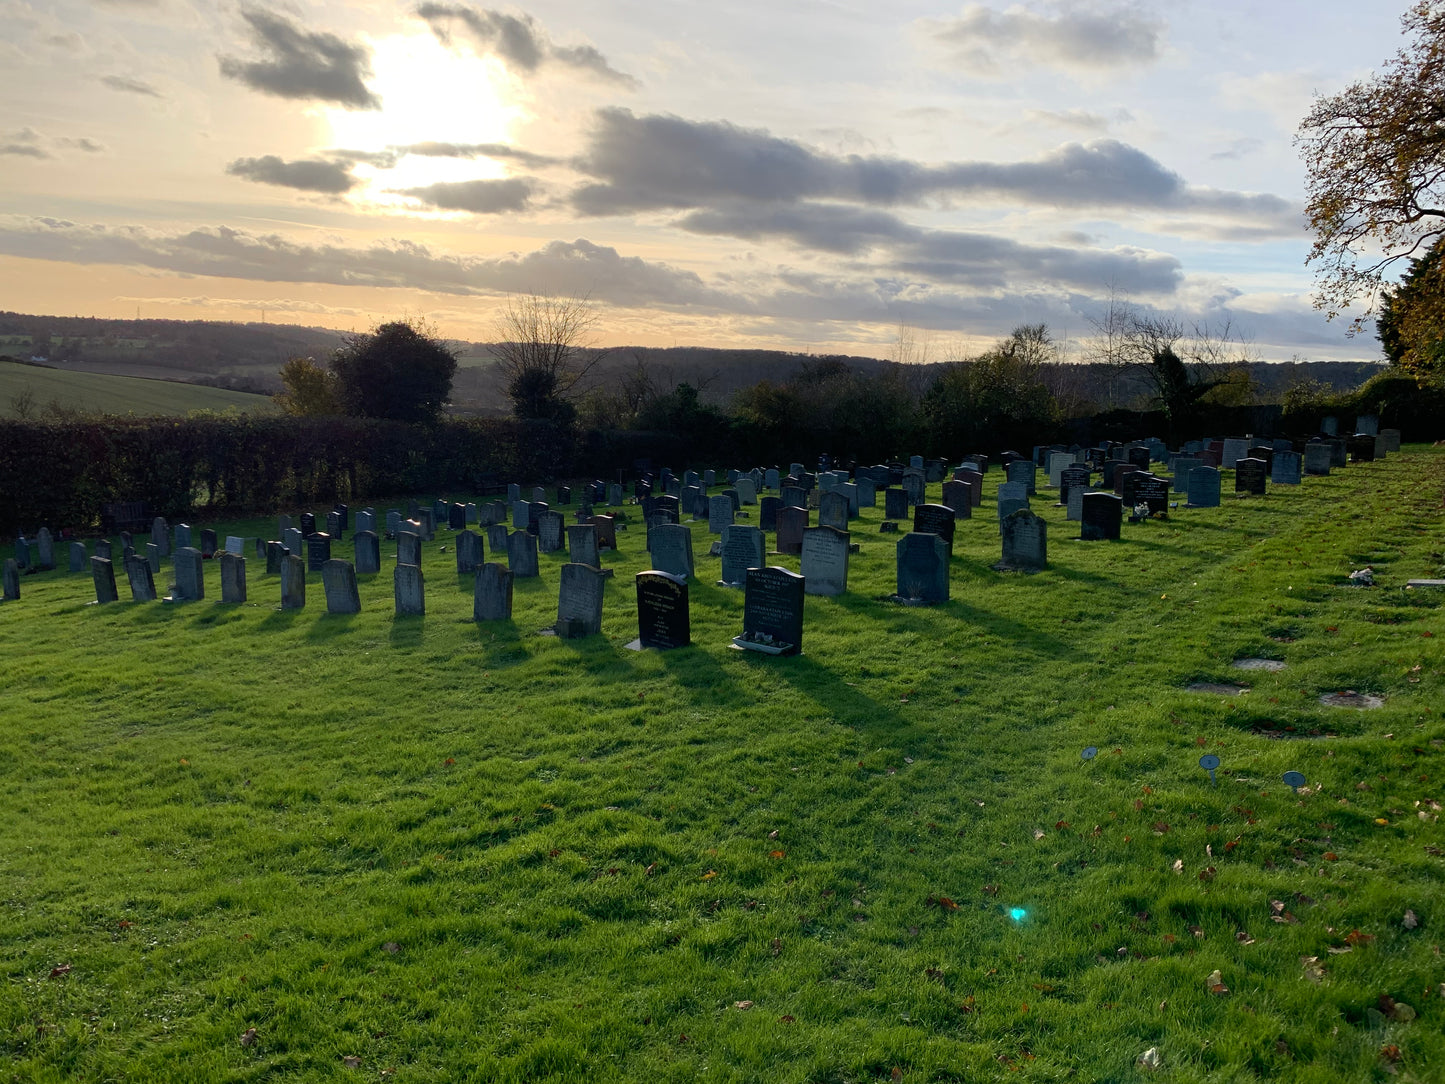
(1294, 780)
(1090, 753)
(1209, 762)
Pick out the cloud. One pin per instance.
(577, 267)
(478, 197)
(130, 86)
(380, 159)
(663, 162)
(267, 304)
(307, 174)
(518, 40)
(301, 64)
(432, 149)
(983, 41)
(24, 144)
(80, 143)
(977, 260)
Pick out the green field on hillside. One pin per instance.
(426, 849)
(41, 387)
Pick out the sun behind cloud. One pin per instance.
(429, 94)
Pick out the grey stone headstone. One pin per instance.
(833, 510)
(78, 557)
(539, 495)
(44, 549)
(974, 481)
(161, 535)
(719, 513)
(867, 492)
(1317, 459)
(791, 524)
(768, 512)
(497, 538)
(1203, 488)
(233, 577)
(393, 522)
(1022, 470)
(521, 515)
(895, 504)
(514, 493)
(794, 497)
(773, 609)
(12, 580)
(1391, 437)
(1100, 516)
(1330, 426)
(1025, 541)
(408, 548)
(742, 549)
(102, 574)
(1011, 497)
(1368, 425)
(456, 516)
(922, 568)
(522, 554)
(747, 490)
(103, 548)
(614, 494)
(294, 541)
(293, 582)
(153, 557)
(283, 524)
(1235, 449)
(492, 594)
(333, 524)
(672, 549)
(469, 552)
(579, 600)
(771, 478)
(366, 521)
(368, 553)
(825, 560)
(937, 519)
(606, 532)
(409, 586)
(1285, 470)
(550, 525)
(318, 551)
(274, 554)
(190, 577)
(1058, 463)
(663, 618)
(582, 545)
(182, 534)
(1074, 510)
(141, 579)
(338, 579)
(913, 485)
(534, 516)
(237, 545)
(1380, 447)
(1182, 465)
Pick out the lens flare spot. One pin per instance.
(1018, 914)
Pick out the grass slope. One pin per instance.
(115, 394)
(462, 852)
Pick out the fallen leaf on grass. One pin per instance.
(777, 854)
(1312, 969)
(1061, 825)
(773, 834)
(391, 947)
(248, 1037)
(896, 1075)
(1160, 828)
(709, 875)
(1207, 874)
(742, 1006)
(991, 890)
(1150, 1059)
(56, 972)
(1243, 938)
(1197, 931)
(1331, 856)
(777, 947)
(1390, 1052)
(1410, 921)
(1138, 804)
(1355, 937)
(786, 1019)
(351, 1061)
(1215, 983)
(1178, 866)
(967, 1005)
(946, 904)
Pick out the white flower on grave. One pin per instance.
(1363, 577)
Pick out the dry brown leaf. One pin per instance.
(947, 904)
(1410, 921)
(1038, 833)
(742, 1006)
(1312, 969)
(248, 1037)
(777, 947)
(709, 875)
(773, 834)
(1207, 874)
(351, 1061)
(1215, 983)
(391, 947)
(1178, 866)
(57, 972)
(777, 854)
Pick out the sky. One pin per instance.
(825, 177)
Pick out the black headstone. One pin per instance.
(773, 609)
(663, 620)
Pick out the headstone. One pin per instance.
(237, 545)
(579, 601)
(393, 523)
(368, 553)
(522, 554)
(492, 594)
(44, 550)
(564, 496)
(1058, 463)
(1285, 470)
(550, 525)
(768, 513)
(771, 478)
(274, 553)
(521, 515)
(308, 523)
(409, 586)
(663, 620)
(408, 548)
(338, 578)
(922, 568)
(1149, 490)
(78, 557)
(1139, 457)
(208, 542)
(1317, 459)
(772, 612)
(914, 485)
(747, 490)
(153, 557)
(672, 549)
(469, 552)
(190, 577)
(1013, 496)
(497, 538)
(103, 548)
(318, 551)
(742, 549)
(293, 582)
(1264, 453)
(1367, 425)
(895, 504)
(12, 580)
(1203, 488)
(1101, 515)
(1380, 451)
(1234, 449)
(797, 497)
(1391, 438)
(936, 519)
(614, 494)
(719, 513)
(959, 497)
(456, 516)
(1074, 510)
(825, 560)
(791, 524)
(1025, 541)
(514, 493)
(102, 574)
(183, 535)
(343, 512)
(974, 480)
(233, 578)
(534, 518)
(161, 536)
(141, 579)
(1022, 470)
(333, 524)
(833, 510)
(606, 532)
(1182, 465)
(1250, 476)
(867, 492)
(582, 545)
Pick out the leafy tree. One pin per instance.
(998, 398)
(1375, 155)
(544, 351)
(1411, 325)
(400, 370)
(309, 390)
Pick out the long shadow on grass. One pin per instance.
(844, 702)
(329, 626)
(406, 630)
(700, 675)
(916, 620)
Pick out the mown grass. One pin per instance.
(463, 852)
(98, 392)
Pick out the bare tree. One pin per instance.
(544, 349)
(1110, 347)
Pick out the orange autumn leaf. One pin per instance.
(1331, 856)
(709, 875)
(947, 904)
(777, 854)
(1355, 937)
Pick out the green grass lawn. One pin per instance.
(454, 852)
(114, 394)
